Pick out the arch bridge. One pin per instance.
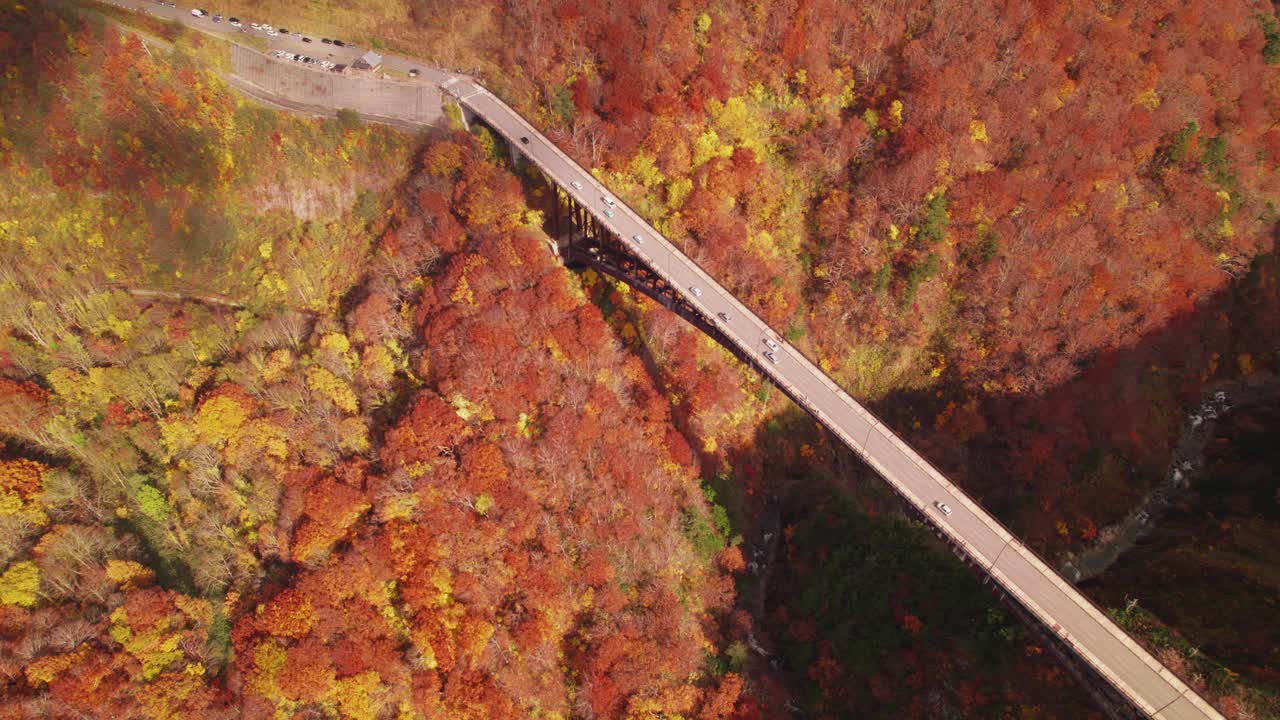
(595, 229)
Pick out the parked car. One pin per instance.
(235, 22)
(217, 18)
(339, 43)
(638, 238)
(608, 201)
(268, 28)
(697, 291)
(306, 39)
(282, 31)
(272, 33)
(198, 12)
(255, 26)
(943, 508)
(413, 72)
(326, 41)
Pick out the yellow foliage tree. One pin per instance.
(333, 388)
(278, 363)
(19, 584)
(219, 419)
(44, 670)
(127, 573)
(745, 125)
(20, 485)
(708, 146)
(156, 648)
(645, 170)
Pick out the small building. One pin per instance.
(368, 61)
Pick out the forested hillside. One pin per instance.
(299, 418)
(983, 199)
(307, 491)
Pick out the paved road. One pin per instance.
(1064, 610)
(290, 42)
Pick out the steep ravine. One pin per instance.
(1185, 467)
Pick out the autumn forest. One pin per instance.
(300, 417)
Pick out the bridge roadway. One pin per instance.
(1068, 613)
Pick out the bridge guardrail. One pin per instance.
(876, 425)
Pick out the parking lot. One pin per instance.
(319, 86)
(308, 60)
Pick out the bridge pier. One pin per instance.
(466, 115)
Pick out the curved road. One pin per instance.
(1068, 613)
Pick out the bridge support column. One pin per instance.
(465, 116)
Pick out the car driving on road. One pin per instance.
(697, 291)
(943, 508)
(638, 238)
(772, 358)
(772, 345)
(576, 185)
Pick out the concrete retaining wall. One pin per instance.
(412, 101)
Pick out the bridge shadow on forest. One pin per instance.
(1111, 431)
(843, 585)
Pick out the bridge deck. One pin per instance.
(1069, 614)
